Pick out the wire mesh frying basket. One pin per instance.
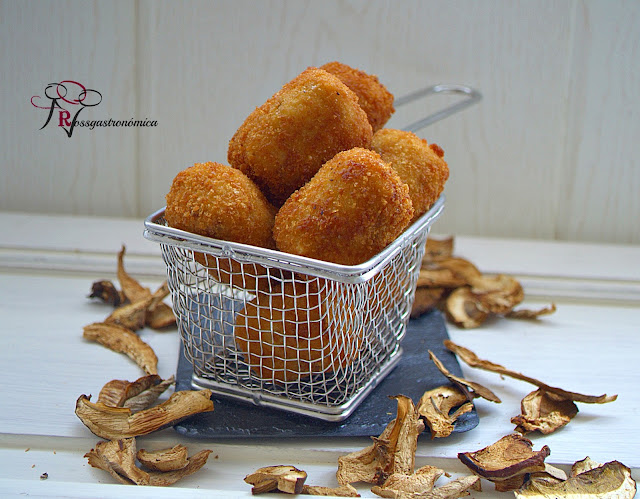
(290, 332)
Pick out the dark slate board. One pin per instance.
(413, 375)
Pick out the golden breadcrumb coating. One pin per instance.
(215, 200)
(419, 164)
(284, 142)
(373, 96)
(347, 213)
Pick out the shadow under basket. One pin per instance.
(288, 332)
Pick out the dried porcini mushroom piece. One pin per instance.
(476, 389)
(586, 464)
(544, 411)
(171, 459)
(122, 340)
(281, 478)
(157, 314)
(438, 248)
(106, 291)
(136, 395)
(528, 314)
(497, 294)
(402, 484)
(472, 360)
(346, 490)
(456, 488)
(114, 423)
(117, 457)
(461, 307)
(435, 408)
(134, 315)
(132, 289)
(608, 481)
(392, 452)
(506, 462)
(550, 475)
(463, 292)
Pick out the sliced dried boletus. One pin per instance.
(122, 340)
(506, 462)
(612, 480)
(346, 490)
(436, 408)
(281, 478)
(401, 484)
(106, 291)
(136, 395)
(114, 423)
(544, 411)
(171, 459)
(392, 452)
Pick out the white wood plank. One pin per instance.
(601, 181)
(92, 172)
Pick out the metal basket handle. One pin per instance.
(471, 96)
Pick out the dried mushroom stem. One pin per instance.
(115, 423)
(123, 340)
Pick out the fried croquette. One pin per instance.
(419, 164)
(215, 200)
(284, 336)
(284, 142)
(373, 96)
(347, 213)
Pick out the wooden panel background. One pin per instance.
(549, 153)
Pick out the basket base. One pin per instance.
(413, 375)
(326, 413)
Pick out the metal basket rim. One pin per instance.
(157, 232)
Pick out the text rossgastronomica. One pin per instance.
(91, 124)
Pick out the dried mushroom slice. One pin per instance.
(612, 480)
(455, 488)
(281, 478)
(136, 395)
(544, 411)
(123, 340)
(438, 248)
(402, 484)
(506, 462)
(462, 308)
(477, 390)
(346, 490)
(107, 292)
(497, 294)
(114, 423)
(586, 464)
(472, 360)
(117, 457)
(171, 459)
(392, 452)
(528, 314)
(435, 408)
(132, 289)
(132, 315)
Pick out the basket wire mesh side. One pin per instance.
(285, 331)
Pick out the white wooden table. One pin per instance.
(47, 264)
